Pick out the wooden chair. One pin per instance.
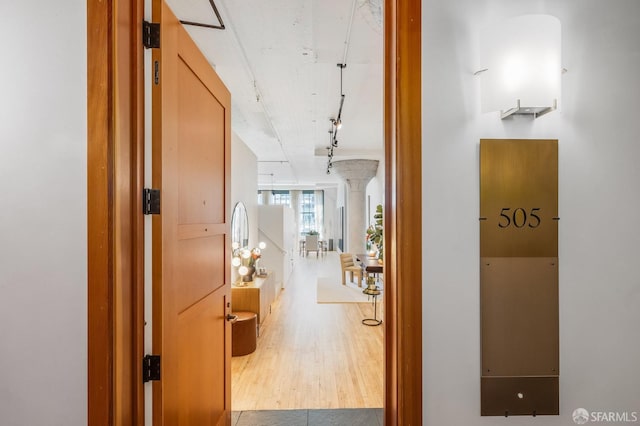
(348, 265)
(311, 244)
(324, 247)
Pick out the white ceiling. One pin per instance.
(279, 60)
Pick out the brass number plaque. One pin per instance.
(519, 277)
(518, 198)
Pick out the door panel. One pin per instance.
(201, 127)
(198, 275)
(191, 282)
(201, 364)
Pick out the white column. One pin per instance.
(295, 205)
(266, 197)
(357, 174)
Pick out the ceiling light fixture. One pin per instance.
(330, 153)
(336, 123)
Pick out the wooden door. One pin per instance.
(191, 281)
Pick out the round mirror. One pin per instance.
(240, 226)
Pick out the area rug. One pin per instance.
(331, 290)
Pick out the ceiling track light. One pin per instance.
(336, 123)
(330, 153)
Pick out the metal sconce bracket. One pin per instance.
(520, 110)
(535, 111)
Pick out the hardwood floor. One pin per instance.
(312, 355)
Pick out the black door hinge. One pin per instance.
(151, 201)
(150, 35)
(150, 368)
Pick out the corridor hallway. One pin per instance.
(310, 355)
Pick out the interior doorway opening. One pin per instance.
(115, 169)
(348, 95)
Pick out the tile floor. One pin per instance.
(339, 417)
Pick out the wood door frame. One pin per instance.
(115, 260)
(403, 226)
(115, 141)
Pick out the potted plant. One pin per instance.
(375, 234)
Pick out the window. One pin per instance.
(308, 212)
(276, 197)
(282, 197)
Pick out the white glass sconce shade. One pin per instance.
(522, 59)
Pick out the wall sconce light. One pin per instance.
(521, 66)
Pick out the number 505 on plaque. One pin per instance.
(518, 198)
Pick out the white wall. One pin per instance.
(244, 187)
(599, 237)
(341, 202)
(43, 255)
(276, 227)
(375, 192)
(244, 183)
(330, 214)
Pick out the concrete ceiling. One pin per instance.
(279, 60)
